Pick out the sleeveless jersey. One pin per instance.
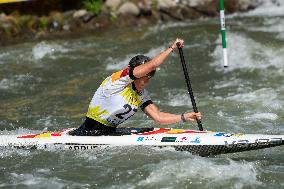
(116, 99)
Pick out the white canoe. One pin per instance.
(203, 143)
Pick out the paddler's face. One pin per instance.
(142, 82)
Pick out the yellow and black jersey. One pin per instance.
(116, 99)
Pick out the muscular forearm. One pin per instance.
(167, 118)
(161, 117)
(159, 59)
(144, 69)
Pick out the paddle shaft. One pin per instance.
(188, 84)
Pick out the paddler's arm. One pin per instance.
(167, 118)
(144, 69)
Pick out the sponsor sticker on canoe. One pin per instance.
(172, 131)
(147, 138)
(168, 139)
(140, 139)
(228, 134)
(196, 140)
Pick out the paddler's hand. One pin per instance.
(179, 41)
(192, 116)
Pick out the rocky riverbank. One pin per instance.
(17, 25)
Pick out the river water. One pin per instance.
(47, 85)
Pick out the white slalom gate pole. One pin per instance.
(223, 33)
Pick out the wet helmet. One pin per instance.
(139, 60)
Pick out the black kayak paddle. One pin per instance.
(189, 88)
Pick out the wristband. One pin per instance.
(182, 117)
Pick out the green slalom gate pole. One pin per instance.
(223, 33)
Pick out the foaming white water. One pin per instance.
(31, 53)
(281, 35)
(44, 49)
(161, 27)
(47, 121)
(3, 55)
(265, 97)
(10, 153)
(116, 64)
(16, 81)
(33, 181)
(178, 100)
(245, 53)
(7, 83)
(271, 25)
(239, 55)
(237, 83)
(15, 54)
(266, 8)
(201, 171)
(260, 116)
(28, 52)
